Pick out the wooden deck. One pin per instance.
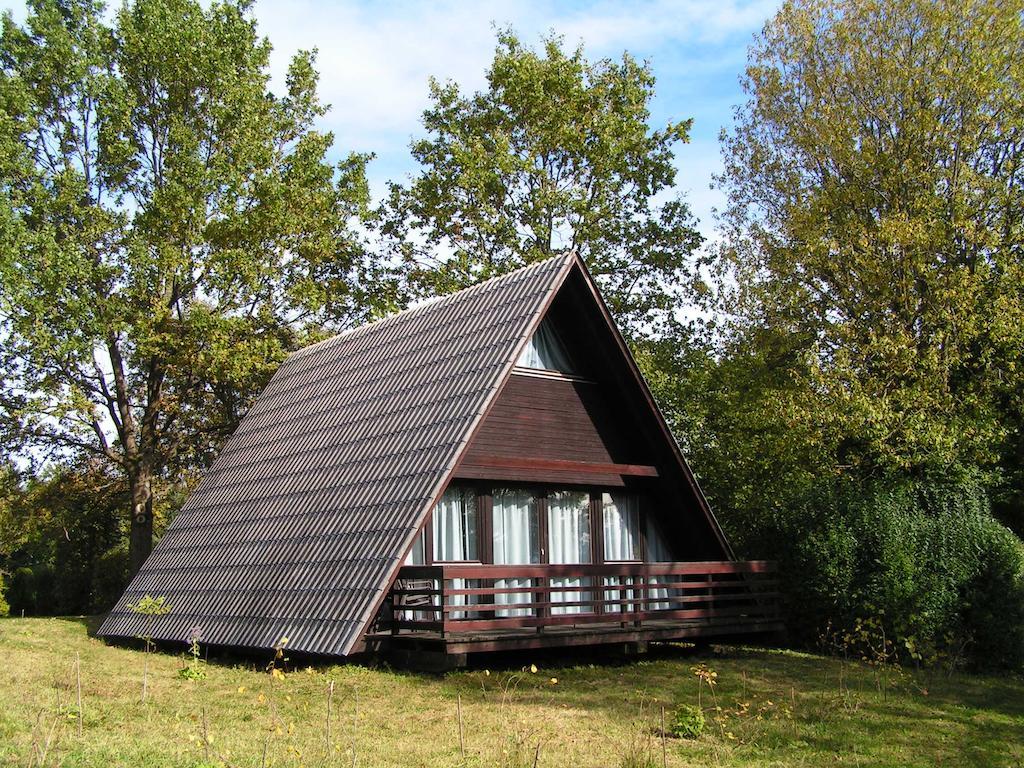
(459, 609)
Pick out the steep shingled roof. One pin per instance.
(299, 525)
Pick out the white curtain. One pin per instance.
(545, 351)
(621, 513)
(621, 526)
(516, 519)
(569, 543)
(454, 526)
(455, 537)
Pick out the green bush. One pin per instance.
(110, 577)
(993, 600)
(31, 590)
(5, 609)
(687, 722)
(926, 560)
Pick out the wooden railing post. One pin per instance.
(442, 600)
(641, 605)
(542, 596)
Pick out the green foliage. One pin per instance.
(58, 535)
(557, 153)
(170, 230)
(867, 322)
(193, 670)
(687, 722)
(925, 561)
(111, 577)
(755, 438)
(993, 599)
(873, 220)
(31, 589)
(150, 606)
(5, 608)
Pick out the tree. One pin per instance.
(62, 538)
(169, 229)
(556, 154)
(756, 436)
(876, 219)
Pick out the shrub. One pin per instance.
(687, 722)
(993, 600)
(109, 579)
(31, 589)
(5, 609)
(927, 561)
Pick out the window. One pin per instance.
(621, 526)
(545, 351)
(516, 519)
(516, 527)
(621, 513)
(568, 527)
(454, 525)
(569, 542)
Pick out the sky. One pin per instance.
(375, 59)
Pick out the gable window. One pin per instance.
(545, 351)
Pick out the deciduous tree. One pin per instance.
(876, 218)
(169, 228)
(556, 153)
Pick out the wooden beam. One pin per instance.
(563, 465)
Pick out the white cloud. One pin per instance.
(376, 59)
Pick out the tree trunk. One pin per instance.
(140, 541)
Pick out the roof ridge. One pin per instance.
(433, 300)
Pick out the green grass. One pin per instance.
(777, 709)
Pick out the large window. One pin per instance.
(530, 525)
(621, 513)
(516, 525)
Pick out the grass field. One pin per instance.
(776, 709)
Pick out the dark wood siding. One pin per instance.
(537, 418)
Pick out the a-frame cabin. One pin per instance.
(487, 471)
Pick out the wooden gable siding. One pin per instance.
(552, 428)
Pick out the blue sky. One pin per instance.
(375, 59)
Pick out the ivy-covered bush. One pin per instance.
(926, 560)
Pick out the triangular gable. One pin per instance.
(600, 428)
(299, 526)
(677, 470)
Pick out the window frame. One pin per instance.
(484, 494)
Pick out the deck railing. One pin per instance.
(466, 597)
